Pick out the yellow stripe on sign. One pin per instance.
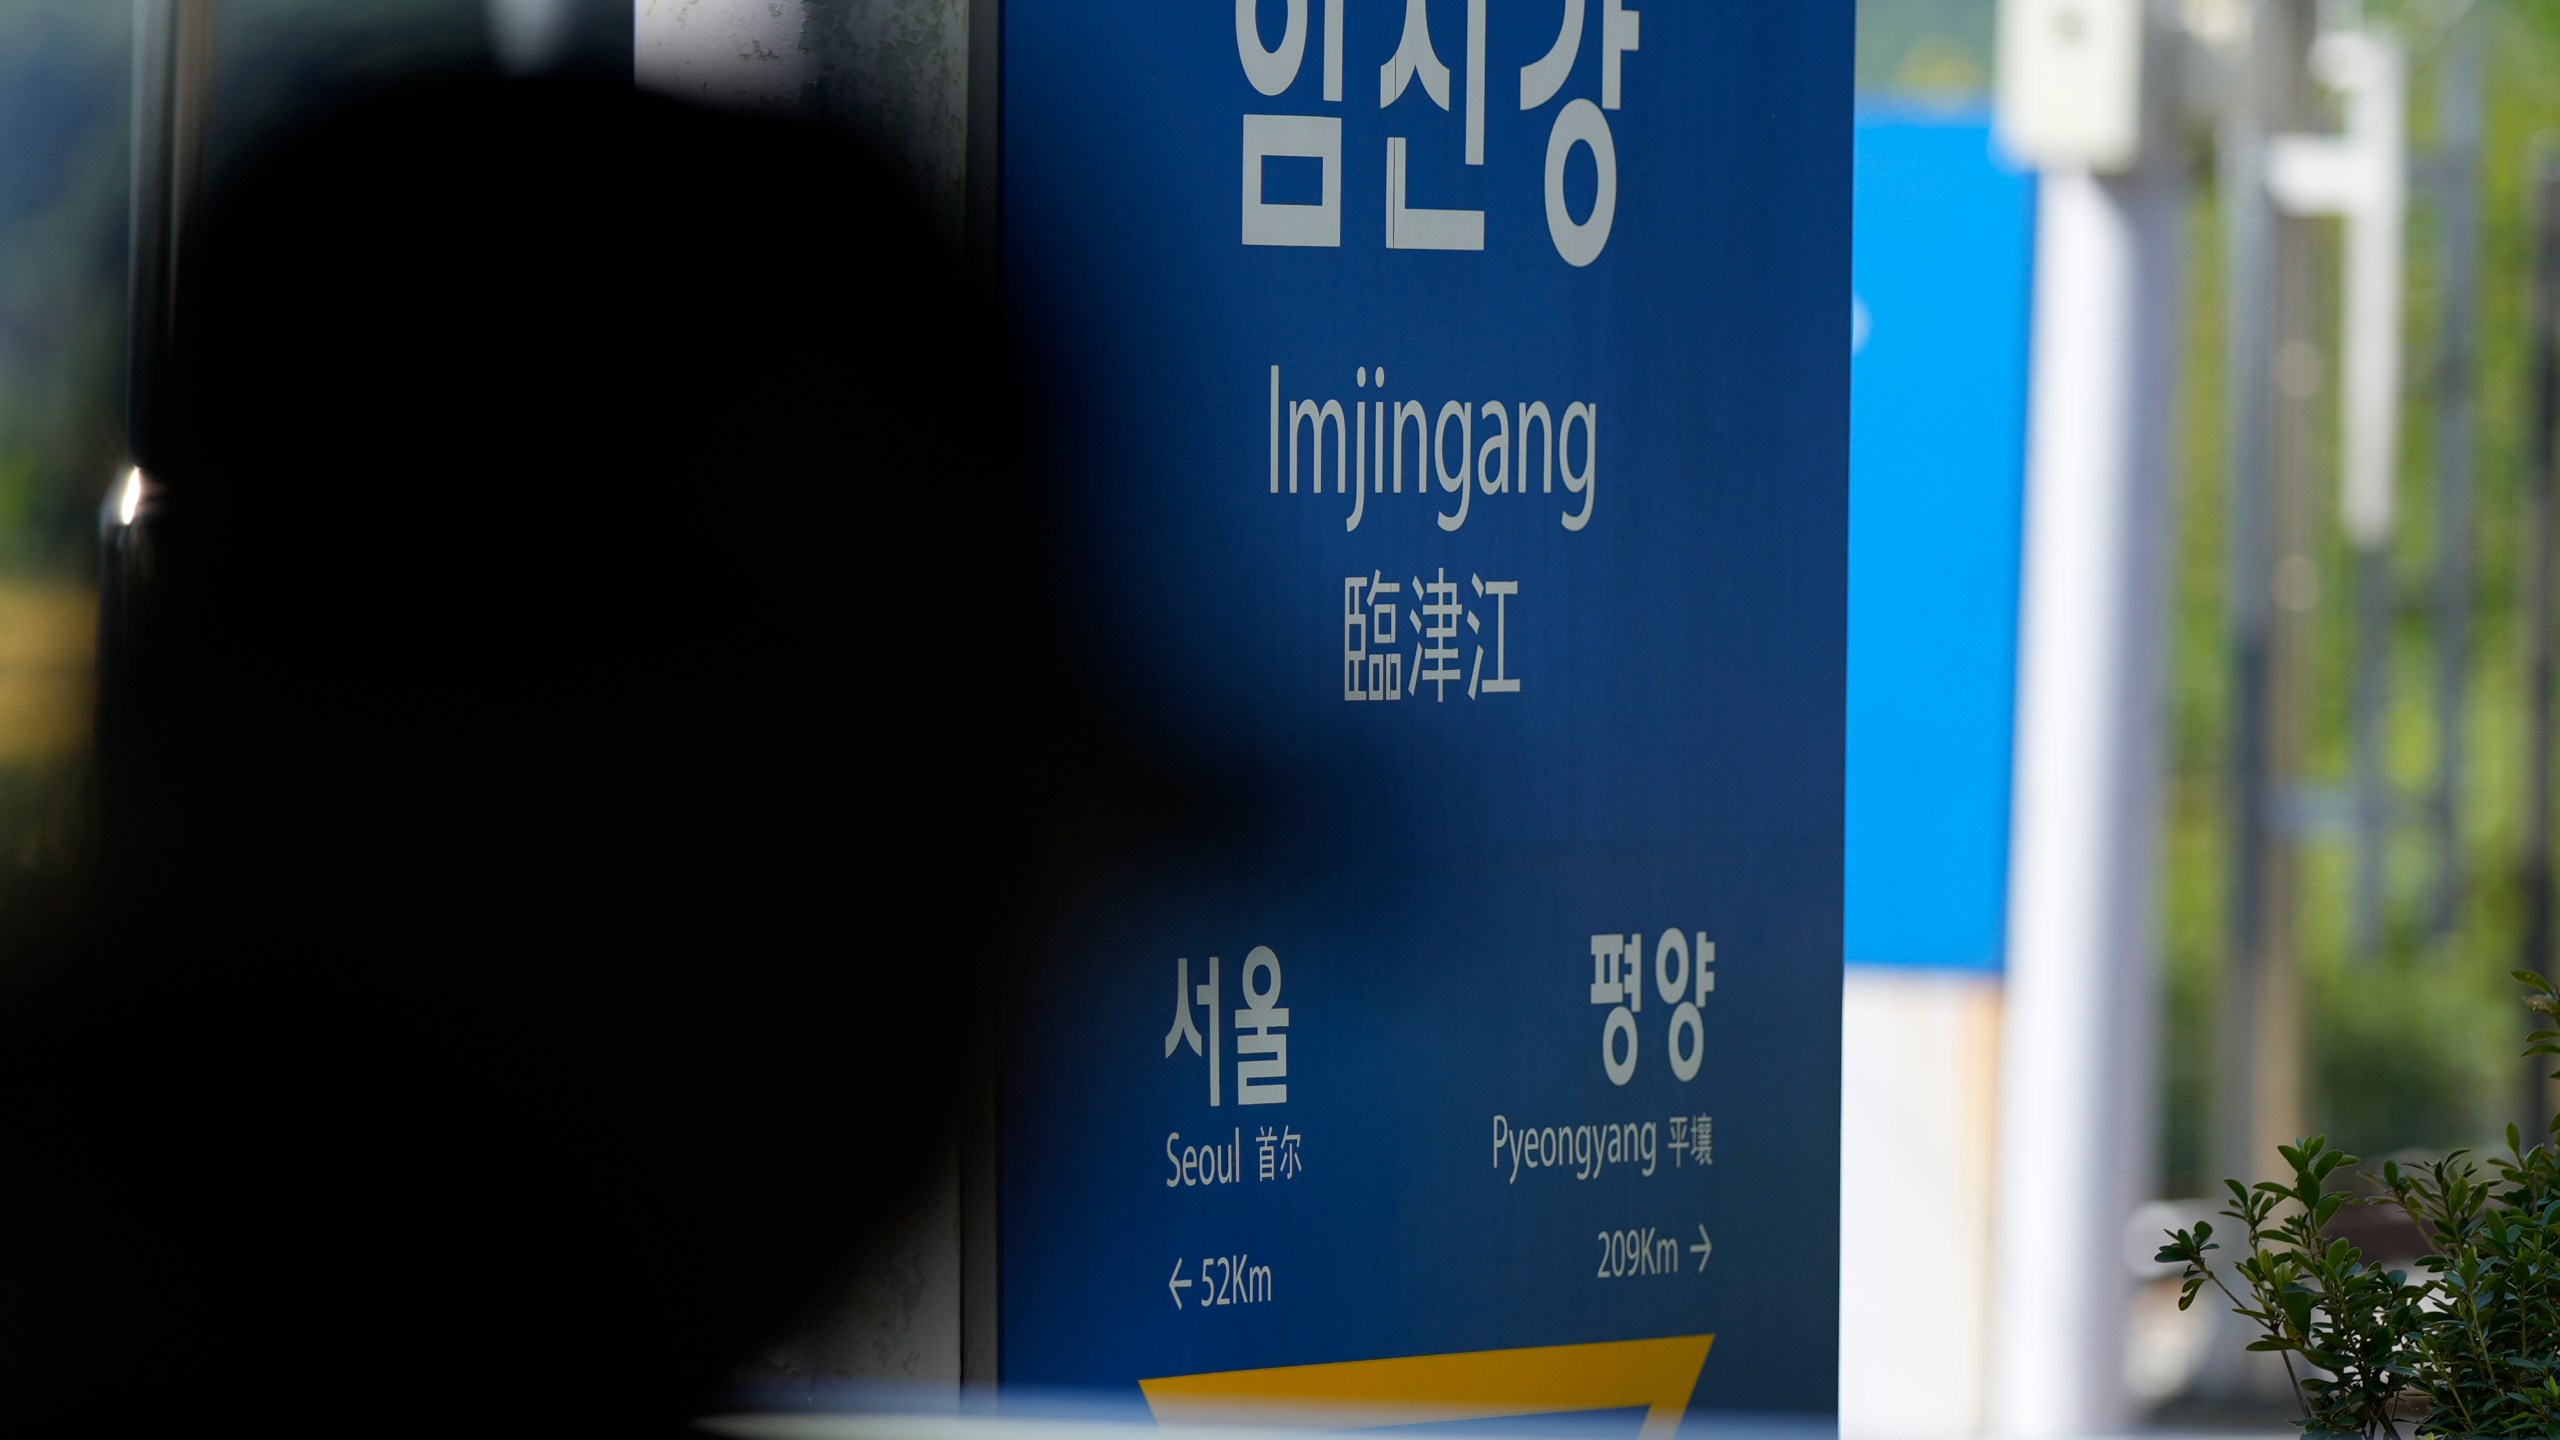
(1476, 1385)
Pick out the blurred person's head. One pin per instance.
(561, 781)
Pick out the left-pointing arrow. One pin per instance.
(1177, 1285)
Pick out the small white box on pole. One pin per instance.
(2071, 83)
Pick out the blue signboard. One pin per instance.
(1938, 446)
(1452, 410)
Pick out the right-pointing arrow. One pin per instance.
(1704, 1248)
(1177, 1284)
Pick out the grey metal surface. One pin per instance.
(2369, 724)
(895, 69)
(901, 72)
(172, 82)
(2458, 236)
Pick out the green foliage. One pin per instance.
(2409, 1054)
(2313, 1296)
(2471, 1347)
(2403, 1047)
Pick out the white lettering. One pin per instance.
(1585, 1150)
(1585, 483)
(1461, 481)
(1210, 1164)
(1497, 444)
(1373, 440)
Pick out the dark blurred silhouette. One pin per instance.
(564, 796)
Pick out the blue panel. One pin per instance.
(1431, 860)
(1945, 245)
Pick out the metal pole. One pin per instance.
(2538, 592)
(2257, 1086)
(2248, 225)
(2373, 152)
(2266, 296)
(172, 78)
(2458, 209)
(2368, 720)
(2303, 282)
(2360, 176)
(155, 29)
(2078, 1040)
(981, 1294)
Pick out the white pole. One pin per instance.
(2078, 1035)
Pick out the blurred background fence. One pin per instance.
(2407, 1028)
